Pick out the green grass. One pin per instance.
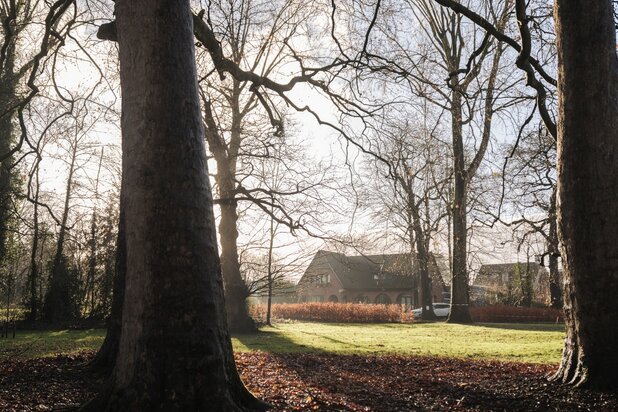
(537, 343)
(36, 344)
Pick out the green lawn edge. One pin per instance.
(529, 343)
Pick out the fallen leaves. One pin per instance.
(299, 382)
(322, 382)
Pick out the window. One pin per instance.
(383, 299)
(322, 279)
(362, 299)
(407, 301)
(317, 298)
(333, 298)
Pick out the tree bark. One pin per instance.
(553, 248)
(587, 189)
(236, 291)
(460, 311)
(175, 351)
(7, 98)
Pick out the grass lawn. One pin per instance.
(37, 343)
(537, 343)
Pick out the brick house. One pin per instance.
(503, 282)
(385, 279)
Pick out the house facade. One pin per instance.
(383, 279)
(510, 282)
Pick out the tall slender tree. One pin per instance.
(238, 129)
(470, 98)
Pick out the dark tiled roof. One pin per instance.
(507, 267)
(369, 272)
(487, 272)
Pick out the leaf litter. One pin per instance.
(325, 382)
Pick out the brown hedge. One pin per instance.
(335, 312)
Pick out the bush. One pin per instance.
(514, 314)
(334, 312)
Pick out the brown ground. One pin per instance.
(331, 383)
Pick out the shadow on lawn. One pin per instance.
(274, 341)
(531, 327)
(333, 340)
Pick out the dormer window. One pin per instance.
(322, 279)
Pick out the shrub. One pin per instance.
(335, 312)
(514, 314)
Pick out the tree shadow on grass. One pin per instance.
(333, 340)
(531, 327)
(272, 340)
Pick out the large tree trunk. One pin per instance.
(587, 188)
(175, 351)
(226, 155)
(236, 291)
(7, 98)
(460, 311)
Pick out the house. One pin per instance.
(385, 279)
(282, 292)
(511, 283)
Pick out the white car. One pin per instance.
(440, 309)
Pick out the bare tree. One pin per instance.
(411, 193)
(586, 135)
(239, 126)
(529, 186)
(18, 68)
(60, 301)
(471, 98)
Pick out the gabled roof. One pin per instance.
(486, 272)
(369, 271)
(508, 267)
